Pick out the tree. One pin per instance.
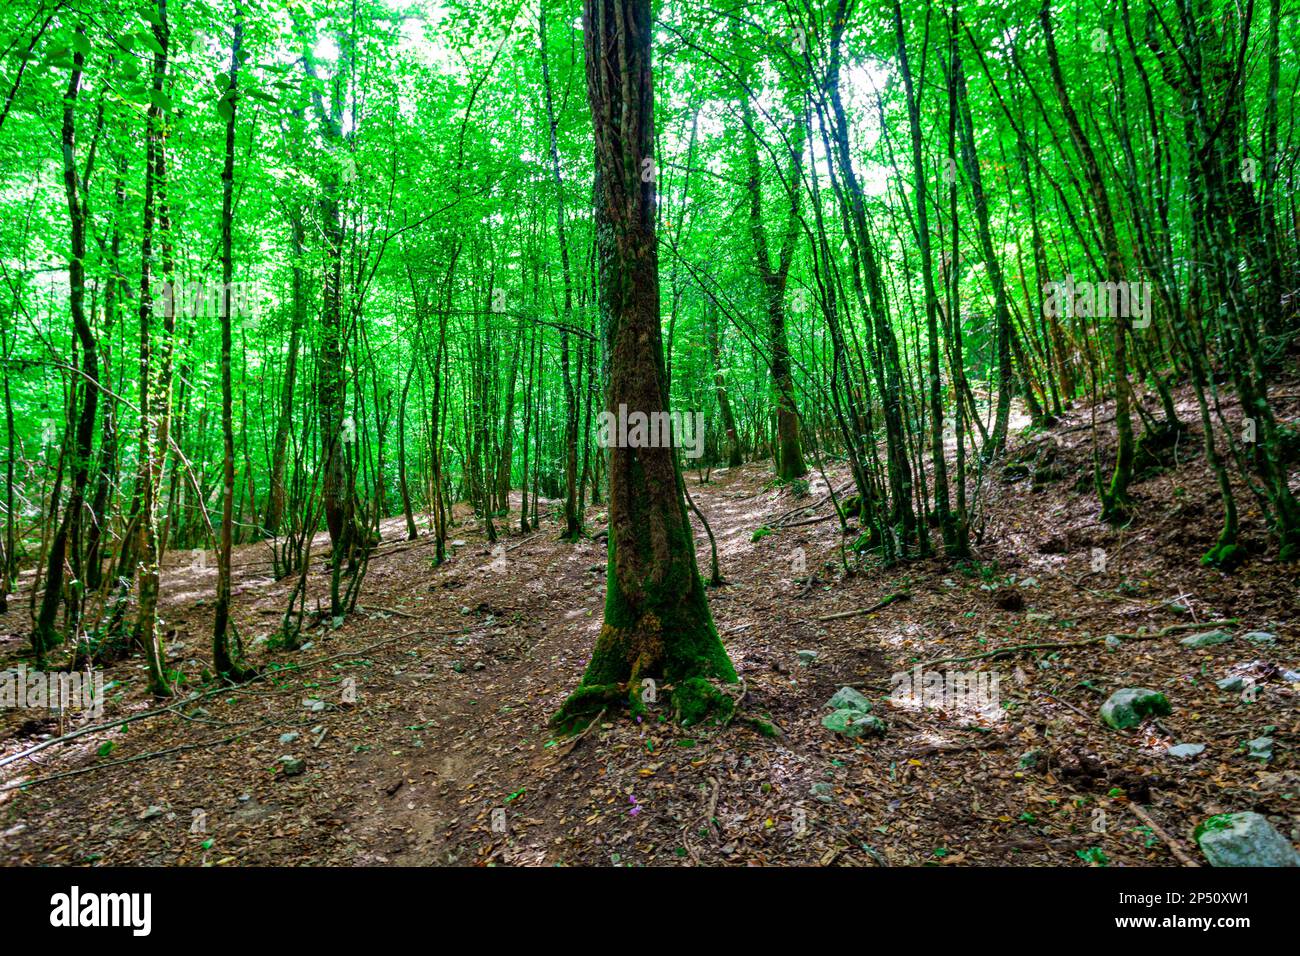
(657, 623)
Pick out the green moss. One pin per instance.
(695, 701)
(1220, 821)
(762, 727)
(583, 705)
(1225, 557)
(760, 533)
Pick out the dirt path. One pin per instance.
(434, 700)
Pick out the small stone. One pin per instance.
(1261, 748)
(479, 665)
(1244, 839)
(292, 766)
(806, 657)
(150, 813)
(290, 737)
(245, 797)
(1185, 751)
(1113, 641)
(314, 705)
(846, 698)
(1129, 706)
(823, 792)
(1233, 682)
(1260, 637)
(1038, 616)
(1206, 639)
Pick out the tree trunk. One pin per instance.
(657, 623)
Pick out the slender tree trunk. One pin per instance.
(224, 662)
(67, 532)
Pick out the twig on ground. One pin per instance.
(893, 598)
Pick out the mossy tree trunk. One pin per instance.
(657, 621)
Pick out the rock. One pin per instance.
(823, 792)
(1291, 676)
(479, 665)
(290, 737)
(806, 657)
(1030, 760)
(1185, 751)
(1233, 682)
(292, 766)
(1206, 639)
(846, 698)
(1131, 705)
(1261, 748)
(1039, 616)
(853, 723)
(1113, 641)
(1260, 637)
(245, 797)
(315, 706)
(1244, 839)
(150, 813)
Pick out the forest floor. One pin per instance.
(457, 668)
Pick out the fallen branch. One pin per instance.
(892, 599)
(23, 784)
(219, 689)
(1062, 645)
(806, 521)
(374, 608)
(1174, 846)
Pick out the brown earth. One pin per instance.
(456, 670)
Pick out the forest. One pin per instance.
(646, 433)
